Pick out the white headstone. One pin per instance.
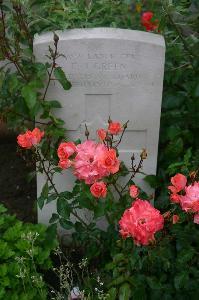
(114, 72)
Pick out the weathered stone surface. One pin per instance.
(114, 72)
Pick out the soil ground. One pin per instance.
(16, 193)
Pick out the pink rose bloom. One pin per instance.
(65, 163)
(179, 182)
(98, 189)
(134, 191)
(86, 162)
(175, 198)
(175, 219)
(109, 161)
(25, 140)
(65, 150)
(190, 201)
(94, 161)
(172, 189)
(30, 138)
(141, 222)
(101, 134)
(37, 135)
(196, 218)
(114, 128)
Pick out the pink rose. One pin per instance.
(101, 134)
(25, 140)
(190, 201)
(172, 189)
(175, 219)
(65, 150)
(175, 198)
(141, 222)
(37, 135)
(65, 163)
(179, 181)
(134, 191)
(30, 138)
(98, 189)
(196, 218)
(114, 128)
(94, 161)
(109, 161)
(86, 162)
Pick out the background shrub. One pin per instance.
(25, 252)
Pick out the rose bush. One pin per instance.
(167, 266)
(132, 225)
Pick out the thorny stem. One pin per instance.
(22, 23)
(86, 132)
(27, 119)
(125, 127)
(33, 121)
(135, 171)
(54, 56)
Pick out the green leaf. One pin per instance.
(36, 84)
(173, 131)
(175, 148)
(54, 104)
(112, 293)
(63, 208)
(125, 292)
(13, 83)
(61, 77)
(45, 190)
(66, 195)
(40, 202)
(99, 209)
(54, 218)
(138, 291)
(66, 224)
(172, 101)
(30, 96)
(2, 209)
(3, 270)
(51, 198)
(119, 280)
(196, 90)
(180, 280)
(152, 180)
(118, 257)
(85, 202)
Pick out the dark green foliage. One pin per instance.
(179, 143)
(167, 270)
(24, 253)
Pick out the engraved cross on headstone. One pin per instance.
(97, 111)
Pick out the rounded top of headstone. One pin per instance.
(102, 33)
